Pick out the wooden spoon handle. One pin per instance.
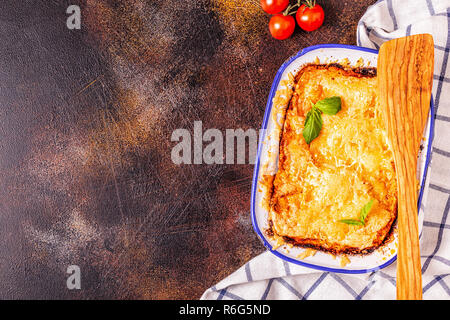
(409, 273)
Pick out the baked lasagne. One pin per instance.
(348, 165)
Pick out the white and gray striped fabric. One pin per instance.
(268, 277)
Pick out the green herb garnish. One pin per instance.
(313, 125)
(362, 216)
(313, 121)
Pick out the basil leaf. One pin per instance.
(329, 106)
(362, 216)
(365, 211)
(352, 222)
(313, 125)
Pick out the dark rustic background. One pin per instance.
(85, 123)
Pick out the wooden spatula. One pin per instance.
(405, 75)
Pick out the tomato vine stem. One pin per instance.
(309, 3)
(290, 7)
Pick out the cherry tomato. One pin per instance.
(274, 6)
(310, 18)
(281, 27)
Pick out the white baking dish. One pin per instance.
(381, 257)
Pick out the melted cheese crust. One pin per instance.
(331, 179)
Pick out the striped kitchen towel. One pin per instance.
(268, 277)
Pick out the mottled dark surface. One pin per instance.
(86, 117)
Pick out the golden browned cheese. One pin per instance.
(346, 166)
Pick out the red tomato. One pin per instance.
(310, 18)
(281, 27)
(274, 6)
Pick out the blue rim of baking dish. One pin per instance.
(267, 112)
